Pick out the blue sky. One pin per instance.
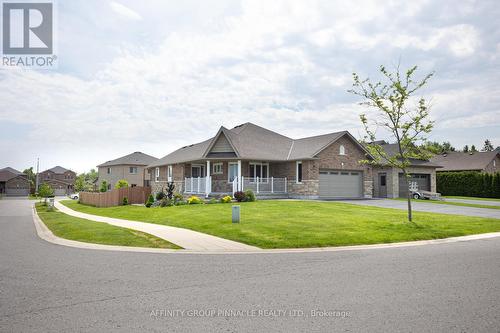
(155, 75)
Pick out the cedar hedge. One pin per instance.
(469, 184)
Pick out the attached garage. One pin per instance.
(340, 184)
(17, 191)
(423, 181)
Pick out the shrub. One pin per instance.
(178, 197)
(212, 201)
(150, 201)
(469, 184)
(122, 183)
(166, 202)
(193, 200)
(250, 196)
(104, 186)
(160, 195)
(240, 196)
(181, 203)
(170, 190)
(125, 201)
(226, 199)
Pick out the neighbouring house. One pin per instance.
(13, 183)
(389, 182)
(130, 167)
(60, 179)
(251, 157)
(481, 161)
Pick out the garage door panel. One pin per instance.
(340, 184)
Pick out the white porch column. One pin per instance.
(207, 180)
(239, 175)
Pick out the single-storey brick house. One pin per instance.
(389, 182)
(131, 167)
(480, 161)
(60, 179)
(13, 182)
(251, 157)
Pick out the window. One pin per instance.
(383, 180)
(217, 169)
(342, 150)
(109, 187)
(132, 170)
(197, 171)
(109, 171)
(299, 172)
(259, 169)
(133, 185)
(157, 174)
(169, 173)
(233, 171)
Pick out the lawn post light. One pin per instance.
(50, 203)
(236, 214)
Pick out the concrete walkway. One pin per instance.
(185, 238)
(429, 207)
(476, 202)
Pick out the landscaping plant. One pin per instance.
(240, 196)
(170, 190)
(250, 196)
(193, 200)
(226, 199)
(104, 186)
(150, 201)
(160, 195)
(122, 183)
(125, 201)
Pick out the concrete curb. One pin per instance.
(45, 233)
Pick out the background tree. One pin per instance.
(31, 178)
(80, 183)
(407, 122)
(473, 149)
(437, 148)
(466, 149)
(488, 146)
(122, 183)
(104, 186)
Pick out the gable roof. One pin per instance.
(57, 170)
(12, 170)
(8, 173)
(460, 161)
(136, 158)
(392, 149)
(252, 142)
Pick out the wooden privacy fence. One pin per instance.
(134, 195)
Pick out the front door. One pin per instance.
(382, 185)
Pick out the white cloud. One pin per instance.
(125, 11)
(283, 64)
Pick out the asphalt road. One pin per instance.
(434, 288)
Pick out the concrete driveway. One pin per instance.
(423, 206)
(51, 288)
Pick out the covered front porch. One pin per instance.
(227, 177)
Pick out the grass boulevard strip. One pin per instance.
(82, 230)
(273, 224)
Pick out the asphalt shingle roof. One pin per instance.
(460, 161)
(136, 158)
(252, 142)
(392, 149)
(58, 169)
(8, 173)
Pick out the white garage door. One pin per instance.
(17, 192)
(340, 184)
(59, 191)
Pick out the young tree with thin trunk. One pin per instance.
(399, 113)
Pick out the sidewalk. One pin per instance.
(185, 238)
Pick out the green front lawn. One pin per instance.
(464, 204)
(471, 198)
(294, 224)
(82, 230)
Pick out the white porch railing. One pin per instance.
(261, 185)
(199, 185)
